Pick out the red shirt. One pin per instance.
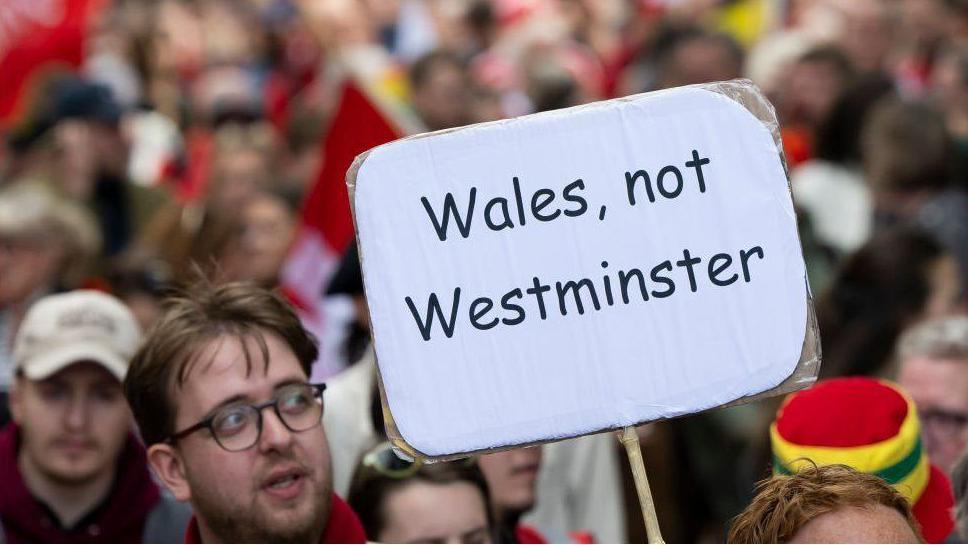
(529, 535)
(343, 526)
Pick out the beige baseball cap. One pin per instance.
(67, 328)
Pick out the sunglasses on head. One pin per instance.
(384, 460)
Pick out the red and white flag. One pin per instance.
(371, 112)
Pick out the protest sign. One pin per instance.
(582, 270)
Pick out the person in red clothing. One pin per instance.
(71, 470)
(221, 395)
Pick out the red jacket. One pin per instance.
(343, 526)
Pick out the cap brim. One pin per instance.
(933, 509)
(43, 366)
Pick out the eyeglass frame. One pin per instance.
(207, 422)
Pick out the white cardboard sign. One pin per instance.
(589, 269)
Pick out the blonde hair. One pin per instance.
(941, 338)
(785, 503)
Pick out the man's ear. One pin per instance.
(167, 464)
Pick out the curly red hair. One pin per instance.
(785, 503)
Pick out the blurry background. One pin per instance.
(147, 141)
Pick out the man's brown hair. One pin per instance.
(192, 320)
(785, 503)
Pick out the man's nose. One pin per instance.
(78, 413)
(275, 434)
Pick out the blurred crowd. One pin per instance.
(158, 144)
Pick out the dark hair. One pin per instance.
(673, 39)
(423, 67)
(877, 291)
(554, 93)
(839, 133)
(906, 147)
(136, 273)
(191, 321)
(786, 503)
(290, 198)
(480, 17)
(370, 489)
(832, 56)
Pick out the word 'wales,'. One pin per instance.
(543, 206)
(582, 295)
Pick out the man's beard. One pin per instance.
(234, 523)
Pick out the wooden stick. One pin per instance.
(631, 441)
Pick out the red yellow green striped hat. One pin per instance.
(872, 426)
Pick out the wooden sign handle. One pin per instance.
(630, 439)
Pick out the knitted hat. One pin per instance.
(872, 426)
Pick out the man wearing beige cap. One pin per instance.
(71, 468)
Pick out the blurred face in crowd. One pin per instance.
(268, 227)
(950, 89)
(238, 175)
(700, 60)
(74, 424)
(925, 21)
(867, 35)
(227, 35)
(945, 295)
(29, 261)
(279, 489)
(425, 512)
(339, 23)
(441, 100)
(813, 88)
(177, 38)
(87, 150)
(484, 105)
(875, 523)
(511, 477)
(76, 163)
(939, 387)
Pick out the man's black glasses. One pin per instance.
(238, 427)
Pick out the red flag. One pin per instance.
(36, 37)
(358, 125)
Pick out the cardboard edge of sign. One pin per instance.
(746, 94)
